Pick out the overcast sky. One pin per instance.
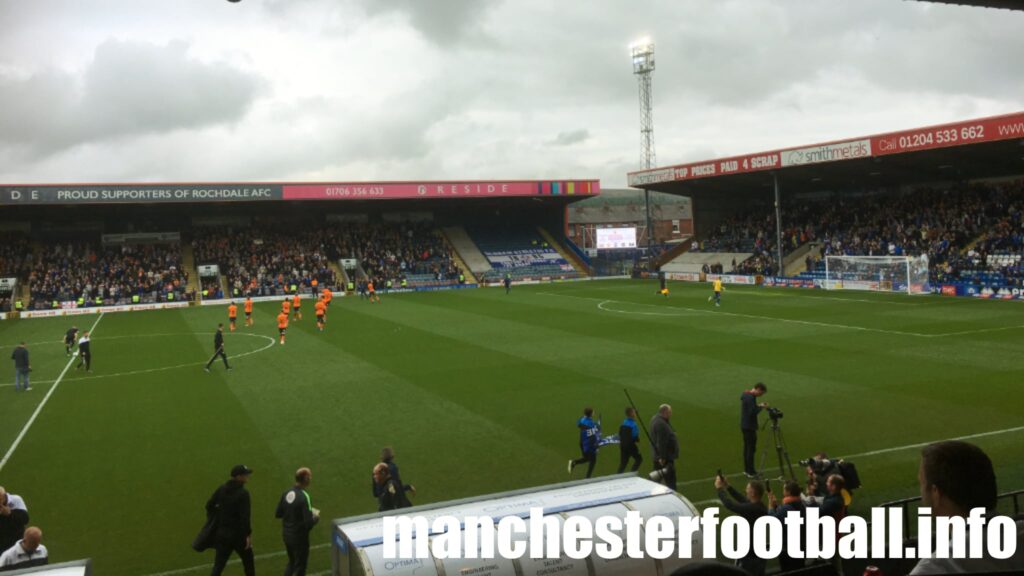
(354, 90)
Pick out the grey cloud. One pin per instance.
(129, 89)
(570, 138)
(444, 22)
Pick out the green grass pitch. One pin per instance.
(478, 391)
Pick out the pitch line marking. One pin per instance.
(603, 301)
(874, 453)
(39, 408)
(149, 370)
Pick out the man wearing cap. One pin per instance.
(233, 509)
(297, 519)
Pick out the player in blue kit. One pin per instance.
(590, 436)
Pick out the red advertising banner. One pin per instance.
(948, 135)
(398, 190)
(990, 129)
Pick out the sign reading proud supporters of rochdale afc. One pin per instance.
(138, 194)
(256, 191)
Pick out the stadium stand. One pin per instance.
(264, 260)
(971, 233)
(521, 252)
(415, 252)
(105, 275)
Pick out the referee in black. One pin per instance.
(297, 519)
(218, 348)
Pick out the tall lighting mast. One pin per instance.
(643, 67)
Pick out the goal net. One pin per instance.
(877, 273)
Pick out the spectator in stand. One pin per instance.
(26, 552)
(791, 502)
(751, 507)
(81, 272)
(13, 518)
(955, 478)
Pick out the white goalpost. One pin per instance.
(907, 274)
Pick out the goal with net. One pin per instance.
(907, 274)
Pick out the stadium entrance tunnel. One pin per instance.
(358, 543)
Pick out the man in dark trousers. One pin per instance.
(791, 502)
(218, 348)
(508, 283)
(665, 445)
(233, 508)
(749, 409)
(590, 435)
(629, 438)
(22, 367)
(297, 519)
(84, 353)
(69, 340)
(387, 456)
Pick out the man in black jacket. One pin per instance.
(387, 456)
(749, 409)
(233, 508)
(665, 445)
(218, 348)
(751, 507)
(791, 502)
(22, 367)
(385, 488)
(297, 519)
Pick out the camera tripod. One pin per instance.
(781, 451)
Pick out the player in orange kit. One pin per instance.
(232, 315)
(282, 325)
(248, 310)
(321, 314)
(297, 307)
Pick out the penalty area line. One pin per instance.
(39, 408)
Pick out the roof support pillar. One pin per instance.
(780, 266)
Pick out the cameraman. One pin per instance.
(749, 409)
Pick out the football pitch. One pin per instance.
(478, 392)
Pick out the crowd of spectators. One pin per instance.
(265, 260)
(397, 251)
(940, 223)
(93, 274)
(15, 262)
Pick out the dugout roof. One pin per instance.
(982, 148)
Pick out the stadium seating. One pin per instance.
(72, 271)
(415, 252)
(265, 260)
(941, 223)
(520, 252)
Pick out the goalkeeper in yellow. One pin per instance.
(717, 296)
